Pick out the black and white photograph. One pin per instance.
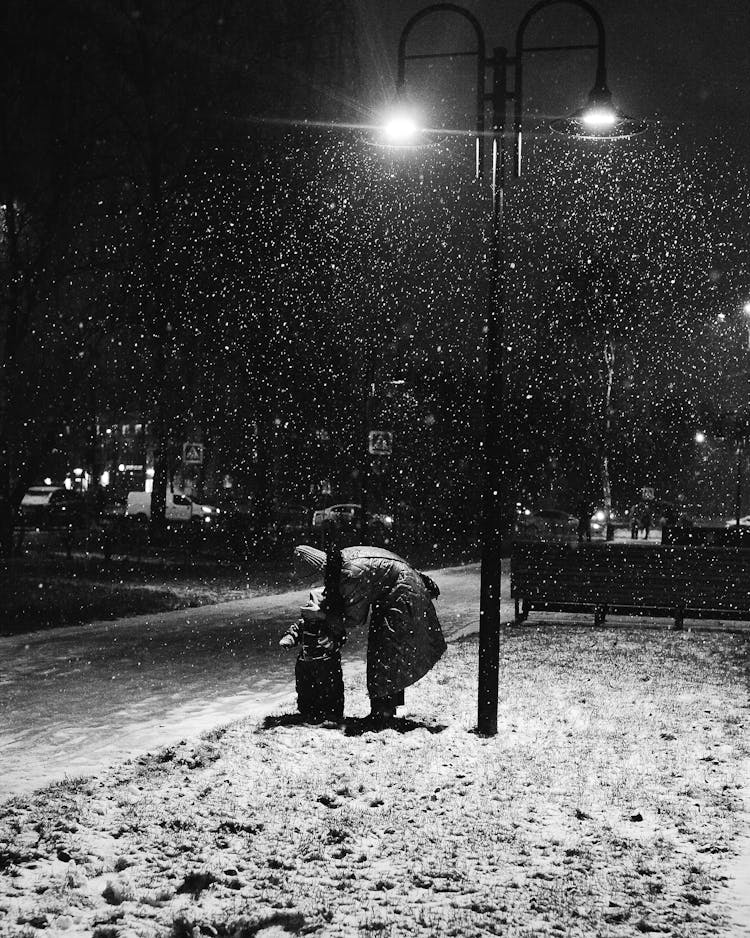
(374, 468)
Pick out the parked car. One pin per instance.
(546, 524)
(113, 508)
(180, 507)
(599, 520)
(348, 514)
(292, 519)
(52, 506)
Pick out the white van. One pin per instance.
(180, 507)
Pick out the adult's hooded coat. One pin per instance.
(405, 639)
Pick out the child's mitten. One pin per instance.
(291, 637)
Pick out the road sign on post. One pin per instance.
(380, 442)
(192, 454)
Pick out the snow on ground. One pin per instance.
(609, 803)
(77, 699)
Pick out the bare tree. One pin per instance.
(44, 138)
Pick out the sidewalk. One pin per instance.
(611, 802)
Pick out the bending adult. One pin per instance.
(405, 639)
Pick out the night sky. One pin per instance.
(295, 231)
(681, 63)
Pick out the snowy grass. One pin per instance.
(45, 591)
(609, 803)
(48, 593)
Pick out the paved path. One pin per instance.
(76, 699)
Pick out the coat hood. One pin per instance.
(309, 560)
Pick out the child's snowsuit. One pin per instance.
(317, 671)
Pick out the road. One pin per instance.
(75, 700)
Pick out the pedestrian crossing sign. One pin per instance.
(192, 453)
(380, 442)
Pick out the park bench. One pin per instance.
(633, 579)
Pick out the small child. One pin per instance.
(317, 672)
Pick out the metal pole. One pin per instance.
(738, 494)
(366, 468)
(493, 483)
(493, 502)
(479, 53)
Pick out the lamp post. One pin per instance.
(598, 120)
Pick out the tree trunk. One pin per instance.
(12, 310)
(159, 434)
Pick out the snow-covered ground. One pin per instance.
(612, 802)
(77, 699)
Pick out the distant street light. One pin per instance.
(746, 311)
(599, 119)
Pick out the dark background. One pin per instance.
(201, 243)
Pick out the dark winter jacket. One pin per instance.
(405, 639)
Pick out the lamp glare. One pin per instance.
(401, 129)
(599, 118)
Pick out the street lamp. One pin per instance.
(599, 119)
(401, 130)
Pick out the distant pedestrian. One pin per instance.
(683, 519)
(646, 521)
(405, 525)
(683, 515)
(669, 517)
(404, 638)
(584, 520)
(635, 520)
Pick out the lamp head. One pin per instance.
(401, 128)
(599, 119)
